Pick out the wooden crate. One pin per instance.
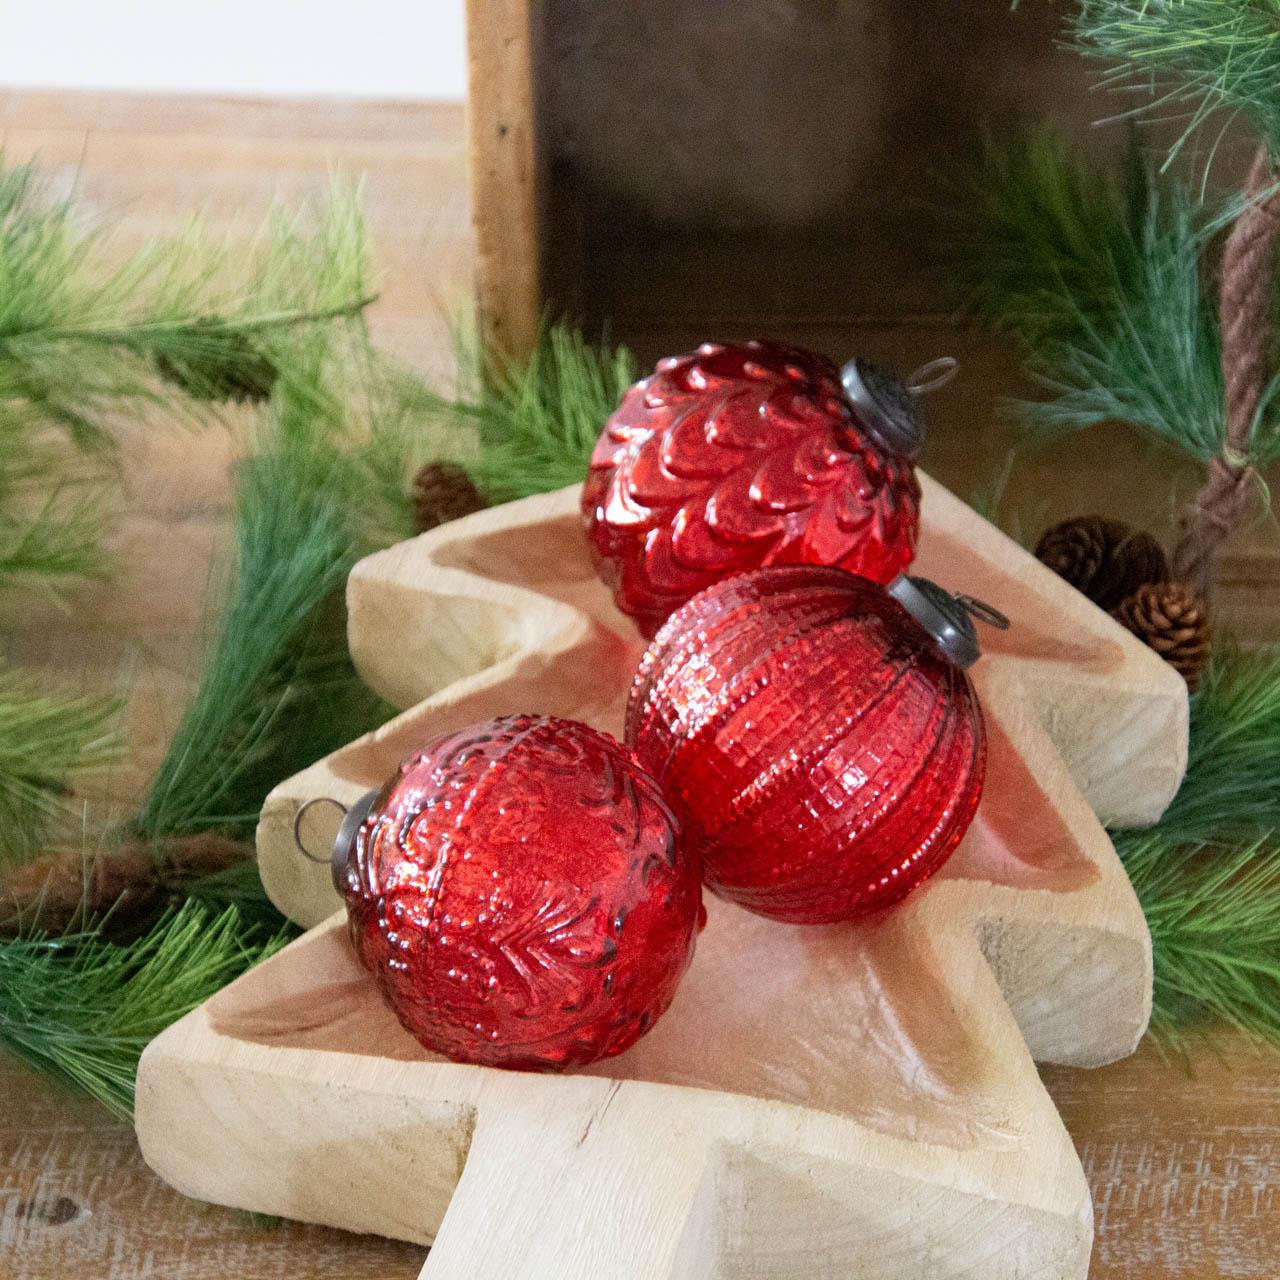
(668, 169)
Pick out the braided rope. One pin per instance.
(1245, 309)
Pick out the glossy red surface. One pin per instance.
(522, 895)
(735, 457)
(824, 757)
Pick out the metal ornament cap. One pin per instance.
(889, 409)
(345, 840)
(947, 618)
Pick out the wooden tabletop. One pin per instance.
(1184, 1162)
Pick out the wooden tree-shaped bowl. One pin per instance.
(822, 1102)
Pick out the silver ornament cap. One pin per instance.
(890, 409)
(947, 618)
(345, 840)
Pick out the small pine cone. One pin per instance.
(1168, 618)
(1106, 560)
(127, 887)
(226, 365)
(442, 492)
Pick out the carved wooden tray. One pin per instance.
(818, 1102)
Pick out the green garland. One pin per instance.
(82, 1009)
(278, 691)
(182, 325)
(331, 449)
(326, 481)
(1102, 275)
(44, 738)
(1208, 873)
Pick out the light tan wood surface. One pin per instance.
(1184, 1168)
(868, 1092)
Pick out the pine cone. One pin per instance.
(1106, 560)
(57, 892)
(226, 365)
(1168, 618)
(442, 492)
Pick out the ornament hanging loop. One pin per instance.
(983, 612)
(300, 817)
(932, 376)
(352, 820)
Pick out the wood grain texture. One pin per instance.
(1183, 1160)
(1183, 1169)
(76, 1199)
(867, 1091)
(506, 186)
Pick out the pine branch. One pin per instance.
(1214, 916)
(1045, 237)
(327, 484)
(1104, 280)
(1191, 56)
(78, 334)
(1230, 790)
(327, 479)
(534, 423)
(44, 739)
(1150, 354)
(56, 544)
(83, 1009)
(52, 506)
(116, 889)
(1208, 873)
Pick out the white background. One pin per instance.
(402, 49)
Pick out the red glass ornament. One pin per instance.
(522, 895)
(823, 754)
(735, 457)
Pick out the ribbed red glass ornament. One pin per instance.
(521, 893)
(823, 754)
(734, 457)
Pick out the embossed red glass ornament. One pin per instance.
(521, 893)
(817, 735)
(739, 456)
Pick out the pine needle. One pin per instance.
(1189, 56)
(1152, 357)
(535, 422)
(44, 739)
(1104, 279)
(271, 666)
(1214, 916)
(57, 543)
(1044, 235)
(327, 483)
(326, 480)
(1231, 791)
(79, 332)
(1208, 873)
(83, 1009)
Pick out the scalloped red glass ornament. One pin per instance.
(737, 456)
(522, 895)
(823, 754)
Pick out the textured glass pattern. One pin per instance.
(824, 757)
(735, 457)
(521, 892)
